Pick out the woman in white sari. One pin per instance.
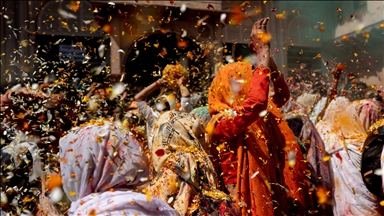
(343, 130)
(102, 168)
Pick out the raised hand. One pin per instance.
(259, 42)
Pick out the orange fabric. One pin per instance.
(262, 147)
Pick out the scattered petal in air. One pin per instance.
(16, 87)
(97, 70)
(378, 172)
(56, 194)
(223, 16)
(101, 50)
(201, 21)
(24, 43)
(4, 198)
(322, 196)
(35, 86)
(236, 85)
(291, 158)
(326, 158)
(143, 179)
(170, 200)
(149, 198)
(359, 28)
(254, 174)
(183, 8)
(242, 204)
(184, 34)
(117, 90)
(382, 203)
(229, 59)
(281, 16)
(263, 113)
(66, 15)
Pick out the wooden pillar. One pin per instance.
(116, 56)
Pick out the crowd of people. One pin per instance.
(255, 143)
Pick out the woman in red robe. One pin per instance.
(252, 147)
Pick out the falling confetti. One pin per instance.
(291, 158)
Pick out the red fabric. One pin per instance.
(282, 93)
(259, 145)
(247, 114)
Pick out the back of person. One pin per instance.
(372, 163)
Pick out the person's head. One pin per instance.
(335, 109)
(176, 131)
(230, 86)
(98, 158)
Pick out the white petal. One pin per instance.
(118, 89)
(229, 59)
(101, 50)
(183, 7)
(65, 14)
(291, 158)
(184, 34)
(222, 17)
(263, 113)
(56, 195)
(254, 174)
(4, 198)
(16, 87)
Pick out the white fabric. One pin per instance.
(382, 169)
(317, 110)
(351, 195)
(150, 116)
(100, 164)
(343, 134)
(185, 105)
(120, 203)
(307, 100)
(328, 128)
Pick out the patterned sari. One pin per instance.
(185, 177)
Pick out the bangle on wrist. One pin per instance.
(158, 84)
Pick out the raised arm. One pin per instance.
(186, 105)
(257, 100)
(280, 87)
(148, 90)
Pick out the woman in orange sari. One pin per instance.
(253, 149)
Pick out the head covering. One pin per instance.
(179, 157)
(328, 127)
(307, 100)
(356, 119)
(203, 114)
(228, 90)
(230, 87)
(99, 164)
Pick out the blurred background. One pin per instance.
(138, 38)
